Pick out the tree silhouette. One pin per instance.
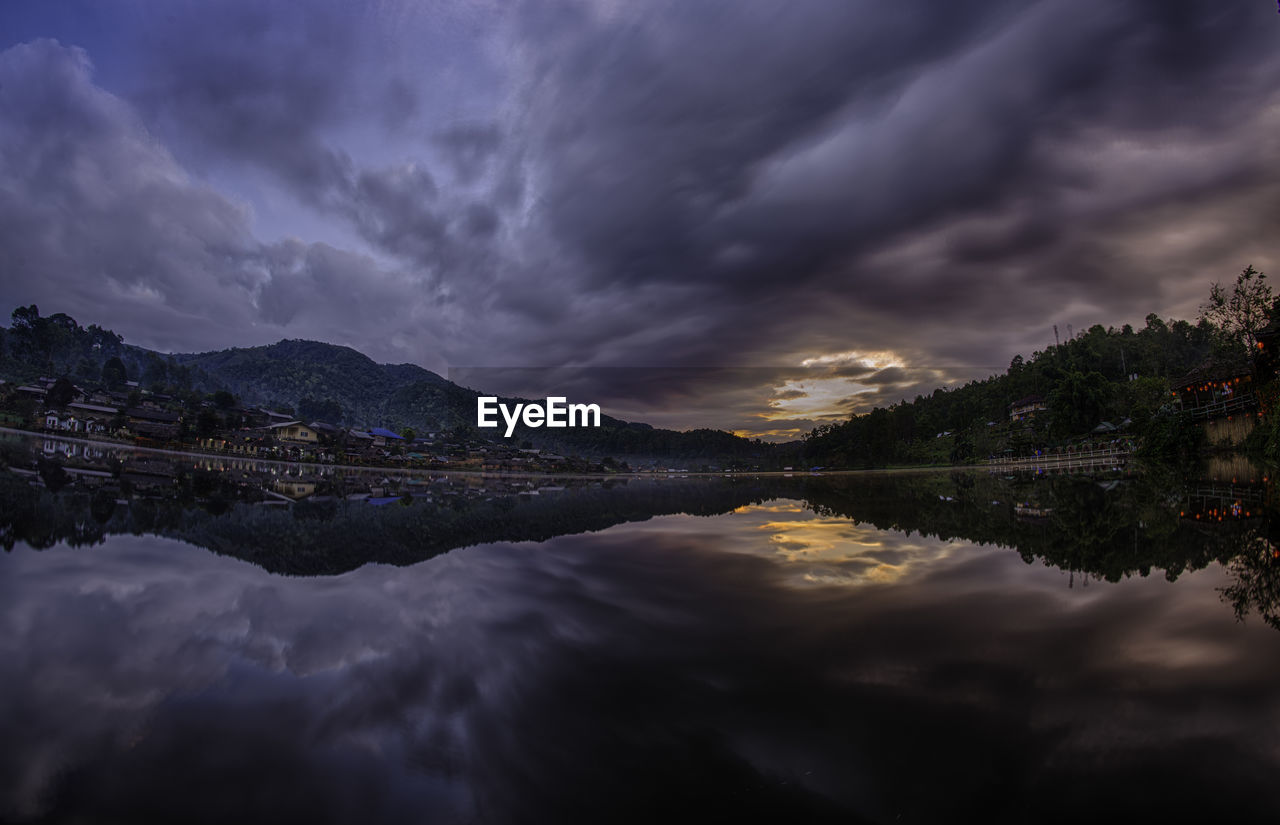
(113, 373)
(62, 393)
(1241, 313)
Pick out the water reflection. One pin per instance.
(284, 520)
(819, 649)
(620, 676)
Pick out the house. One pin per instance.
(294, 431)
(295, 488)
(93, 425)
(382, 436)
(1266, 355)
(146, 422)
(274, 417)
(101, 411)
(239, 443)
(1217, 387)
(358, 442)
(1026, 408)
(324, 429)
(250, 417)
(72, 423)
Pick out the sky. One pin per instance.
(755, 216)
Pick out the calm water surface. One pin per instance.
(773, 662)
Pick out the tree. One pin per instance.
(207, 423)
(62, 393)
(25, 318)
(1241, 313)
(408, 434)
(223, 400)
(24, 326)
(52, 474)
(114, 374)
(155, 373)
(1077, 402)
(316, 409)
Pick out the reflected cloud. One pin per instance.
(773, 507)
(616, 674)
(837, 550)
(850, 552)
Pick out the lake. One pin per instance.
(183, 642)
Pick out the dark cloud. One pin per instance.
(469, 147)
(273, 100)
(818, 159)
(684, 185)
(100, 221)
(257, 82)
(890, 375)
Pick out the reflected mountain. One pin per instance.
(808, 649)
(315, 520)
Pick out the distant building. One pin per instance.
(324, 429)
(1266, 356)
(94, 409)
(294, 431)
(240, 443)
(295, 488)
(275, 417)
(147, 422)
(1026, 408)
(1217, 387)
(381, 436)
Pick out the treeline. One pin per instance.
(332, 383)
(1136, 528)
(692, 449)
(56, 345)
(338, 385)
(1099, 375)
(334, 536)
(1113, 375)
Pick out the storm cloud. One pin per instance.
(726, 189)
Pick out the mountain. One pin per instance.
(336, 384)
(313, 377)
(310, 376)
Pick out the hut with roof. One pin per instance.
(1219, 386)
(1266, 354)
(1026, 408)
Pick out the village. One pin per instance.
(119, 473)
(218, 425)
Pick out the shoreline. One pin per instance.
(657, 474)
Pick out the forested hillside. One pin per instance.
(318, 381)
(337, 384)
(1099, 379)
(1100, 375)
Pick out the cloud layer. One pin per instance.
(676, 185)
